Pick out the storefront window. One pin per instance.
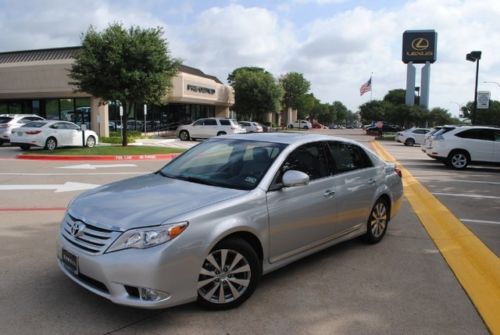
(35, 107)
(83, 110)
(3, 108)
(15, 108)
(52, 109)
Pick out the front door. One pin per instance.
(302, 217)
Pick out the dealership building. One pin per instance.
(37, 82)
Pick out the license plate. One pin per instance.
(70, 261)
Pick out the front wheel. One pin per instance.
(184, 135)
(51, 144)
(91, 142)
(229, 275)
(377, 222)
(24, 147)
(410, 142)
(220, 133)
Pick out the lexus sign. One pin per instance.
(419, 46)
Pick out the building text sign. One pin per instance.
(200, 89)
(419, 46)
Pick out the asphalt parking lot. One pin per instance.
(402, 285)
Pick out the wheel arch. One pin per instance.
(246, 236)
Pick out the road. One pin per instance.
(402, 285)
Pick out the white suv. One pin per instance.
(209, 127)
(464, 145)
(302, 124)
(12, 121)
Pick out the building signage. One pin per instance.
(200, 89)
(419, 46)
(483, 99)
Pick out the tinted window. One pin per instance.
(225, 122)
(198, 123)
(71, 126)
(210, 122)
(245, 124)
(35, 124)
(4, 119)
(310, 158)
(497, 135)
(477, 134)
(348, 157)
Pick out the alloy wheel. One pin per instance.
(91, 142)
(224, 277)
(51, 144)
(378, 220)
(459, 160)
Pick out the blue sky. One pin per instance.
(336, 44)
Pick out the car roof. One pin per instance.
(287, 138)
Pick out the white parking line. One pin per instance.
(479, 221)
(460, 181)
(476, 196)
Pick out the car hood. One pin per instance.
(145, 201)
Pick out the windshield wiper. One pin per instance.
(197, 180)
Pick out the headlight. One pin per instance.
(147, 237)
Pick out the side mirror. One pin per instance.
(295, 178)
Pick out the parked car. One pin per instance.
(51, 134)
(462, 146)
(207, 225)
(301, 124)
(386, 128)
(251, 127)
(412, 136)
(317, 125)
(435, 132)
(209, 127)
(12, 121)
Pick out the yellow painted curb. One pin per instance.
(475, 266)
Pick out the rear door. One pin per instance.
(496, 149)
(479, 143)
(210, 128)
(356, 180)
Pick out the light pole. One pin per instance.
(474, 56)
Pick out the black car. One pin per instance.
(386, 128)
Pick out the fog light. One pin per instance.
(148, 294)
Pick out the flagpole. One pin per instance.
(371, 91)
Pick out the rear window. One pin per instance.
(225, 122)
(5, 119)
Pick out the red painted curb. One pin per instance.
(98, 158)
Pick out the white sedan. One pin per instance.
(51, 135)
(251, 127)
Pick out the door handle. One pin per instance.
(371, 181)
(329, 194)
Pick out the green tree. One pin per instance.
(490, 116)
(395, 97)
(374, 110)
(295, 86)
(340, 111)
(133, 66)
(439, 116)
(306, 105)
(256, 92)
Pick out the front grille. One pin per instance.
(91, 239)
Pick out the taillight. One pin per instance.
(398, 171)
(33, 132)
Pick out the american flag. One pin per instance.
(366, 87)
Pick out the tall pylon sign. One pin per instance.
(419, 47)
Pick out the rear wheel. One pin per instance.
(377, 221)
(184, 135)
(91, 142)
(1, 143)
(458, 159)
(51, 144)
(220, 133)
(229, 275)
(410, 142)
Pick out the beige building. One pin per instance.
(37, 82)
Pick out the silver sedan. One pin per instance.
(212, 221)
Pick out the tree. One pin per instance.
(396, 97)
(295, 87)
(439, 116)
(490, 116)
(306, 105)
(256, 92)
(374, 110)
(340, 111)
(133, 66)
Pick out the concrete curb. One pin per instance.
(98, 158)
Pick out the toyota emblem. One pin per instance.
(77, 229)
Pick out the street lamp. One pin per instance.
(474, 56)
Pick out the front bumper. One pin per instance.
(117, 276)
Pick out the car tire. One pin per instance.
(458, 159)
(51, 144)
(410, 142)
(184, 135)
(220, 133)
(1, 143)
(306, 127)
(290, 126)
(224, 285)
(24, 147)
(377, 222)
(91, 142)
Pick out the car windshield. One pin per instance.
(231, 163)
(35, 124)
